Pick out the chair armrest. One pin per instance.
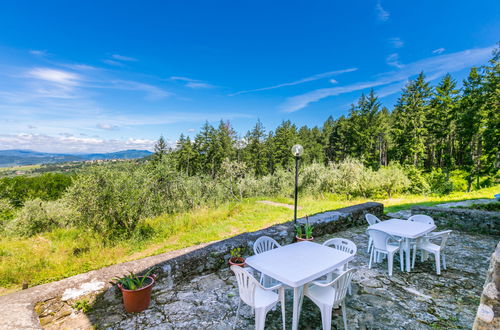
(438, 234)
(276, 287)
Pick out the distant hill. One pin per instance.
(29, 157)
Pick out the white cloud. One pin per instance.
(191, 130)
(111, 62)
(192, 83)
(38, 52)
(108, 127)
(55, 76)
(382, 14)
(68, 143)
(434, 67)
(297, 82)
(438, 51)
(396, 42)
(123, 58)
(393, 60)
(333, 81)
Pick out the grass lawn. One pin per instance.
(65, 252)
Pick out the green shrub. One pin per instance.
(39, 216)
(458, 179)
(439, 182)
(392, 179)
(418, 183)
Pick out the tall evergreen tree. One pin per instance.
(160, 149)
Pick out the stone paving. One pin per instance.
(417, 300)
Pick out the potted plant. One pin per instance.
(236, 258)
(304, 232)
(136, 291)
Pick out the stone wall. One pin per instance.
(488, 313)
(462, 219)
(174, 266)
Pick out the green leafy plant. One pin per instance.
(82, 305)
(304, 231)
(236, 253)
(132, 281)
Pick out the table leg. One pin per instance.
(407, 254)
(297, 296)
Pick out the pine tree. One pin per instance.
(160, 149)
(409, 131)
(255, 153)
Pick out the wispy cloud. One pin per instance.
(192, 83)
(38, 52)
(297, 82)
(438, 51)
(396, 42)
(123, 58)
(434, 67)
(55, 76)
(113, 63)
(382, 14)
(108, 127)
(393, 60)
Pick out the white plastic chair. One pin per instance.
(371, 219)
(263, 244)
(381, 245)
(261, 299)
(330, 295)
(421, 218)
(426, 245)
(344, 245)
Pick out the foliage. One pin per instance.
(132, 281)
(392, 179)
(82, 305)
(304, 230)
(39, 216)
(236, 253)
(439, 183)
(49, 186)
(7, 211)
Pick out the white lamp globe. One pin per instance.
(297, 150)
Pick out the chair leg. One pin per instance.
(401, 263)
(344, 314)
(260, 318)
(390, 260)
(369, 244)
(326, 316)
(444, 261)
(282, 301)
(414, 256)
(237, 312)
(438, 263)
(371, 257)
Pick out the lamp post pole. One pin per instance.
(297, 151)
(296, 189)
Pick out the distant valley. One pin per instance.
(28, 157)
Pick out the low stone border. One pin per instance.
(18, 308)
(488, 313)
(463, 219)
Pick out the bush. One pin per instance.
(418, 183)
(39, 216)
(458, 179)
(439, 182)
(392, 179)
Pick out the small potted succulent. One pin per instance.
(304, 232)
(136, 291)
(236, 258)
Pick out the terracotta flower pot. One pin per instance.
(136, 301)
(237, 262)
(301, 239)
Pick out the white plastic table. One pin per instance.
(408, 230)
(297, 264)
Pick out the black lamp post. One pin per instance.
(297, 151)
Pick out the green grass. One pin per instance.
(65, 252)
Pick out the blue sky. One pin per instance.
(105, 75)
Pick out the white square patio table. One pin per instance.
(408, 230)
(297, 264)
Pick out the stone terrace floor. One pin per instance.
(417, 300)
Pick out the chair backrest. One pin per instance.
(342, 244)
(421, 218)
(371, 219)
(340, 284)
(264, 243)
(379, 239)
(443, 235)
(246, 285)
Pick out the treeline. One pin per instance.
(440, 127)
